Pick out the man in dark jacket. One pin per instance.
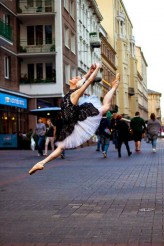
(123, 135)
(137, 125)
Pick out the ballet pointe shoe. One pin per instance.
(36, 168)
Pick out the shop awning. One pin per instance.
(45, 112)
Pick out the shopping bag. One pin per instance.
(33, 144)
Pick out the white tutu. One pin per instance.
(85, 129)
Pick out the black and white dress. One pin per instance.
(79, 122)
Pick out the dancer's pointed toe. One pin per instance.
(36, 168)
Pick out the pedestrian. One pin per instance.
(50, 136)
(104, 133)
(40, 131)
(153, 127)
(137, 124)
(123, 135)
(80, 120)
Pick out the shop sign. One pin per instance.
(8, 140)
(11, 100)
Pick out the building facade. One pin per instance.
(38, 48)
(13, 104)
(141, 88)
(88, 40)
(154, 104)
(108, 67)
(119, 28)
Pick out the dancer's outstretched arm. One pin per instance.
(108, 97)
(78, 93)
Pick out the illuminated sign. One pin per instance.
(11, 100)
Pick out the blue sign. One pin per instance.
(11, 100)
(8, 141)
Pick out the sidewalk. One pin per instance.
(84, 199)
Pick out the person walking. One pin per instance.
(40, 131)
(153, 128)
(123, 135)
(104, 134)
(50, 136)
(137, 124)
(80, 119)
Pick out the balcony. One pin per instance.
(131, 91)
(26, 80)
(132, 39)
(5, 33)
(35, 7)
(36, 47)
(94, 40)
(120, 16)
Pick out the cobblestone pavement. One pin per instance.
(84, 199)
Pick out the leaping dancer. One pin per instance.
(80, 118)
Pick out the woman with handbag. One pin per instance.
(153, 127)
(104, 134)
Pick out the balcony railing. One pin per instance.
(35, 7)
(5, 31)
(24, 80)
(38, 46)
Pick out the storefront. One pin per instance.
(14, 119)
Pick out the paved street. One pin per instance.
(83, 200)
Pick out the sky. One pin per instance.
(147, 18)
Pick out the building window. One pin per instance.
(73, 72)
(6, 19)
(72, 8)
(39, 71)
(67, 73)
(7, 67)
(73, 48)
(31, 72)
(49, 71)
(30, 35)
(66, 36)
(48, 5)
(30, 3)
(38, 5)
(66, 4)
(48, 34)
(39, 34)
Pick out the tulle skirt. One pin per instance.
(83, 130)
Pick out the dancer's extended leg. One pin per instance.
(40, 165)
(108, 97)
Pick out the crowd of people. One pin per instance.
(121, 130)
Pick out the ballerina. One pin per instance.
(80, 116)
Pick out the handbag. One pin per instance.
(130, 135)
(107, 132)
(33, 144)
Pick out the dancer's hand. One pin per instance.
(115, 83)
(118, 76)
(92, 68)
(98, 65)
